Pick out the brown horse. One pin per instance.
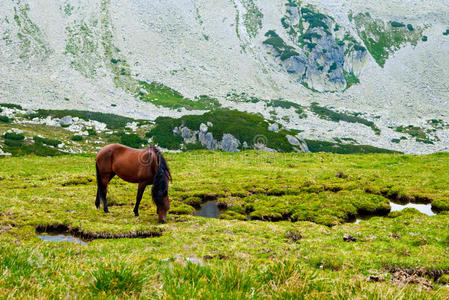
(144, 167)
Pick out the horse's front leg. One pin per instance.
(140, 191)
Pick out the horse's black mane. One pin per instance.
(163, 175)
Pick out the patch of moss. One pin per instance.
(179, 208)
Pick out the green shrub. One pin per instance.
(91, 132)
(77, 138)
(14, 136)
(4, 119)
(424, 38)
(132, 140)
(323, 146)
(331, 115)
(46, 141)
(397, 24)
(410, 27)
(243, 126)
(10, 105)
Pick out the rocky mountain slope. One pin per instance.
(350, 71)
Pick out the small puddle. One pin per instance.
(60, 237)
(209, 210)
(423, 208)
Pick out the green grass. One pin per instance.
(162, 95)
(417, 132)
(350, 79)
(199, 258)
(334, 116)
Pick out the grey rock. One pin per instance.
(208, 141)
(67, 120)
(245, 145)
(296, 65)
(186, 133)
(292, 140)
(203, 128)
(274, 127)
(264, 148)
(176, 130)
(304, 146)
(293, 10)
(229, 143)
(210, 124)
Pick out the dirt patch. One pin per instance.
(79, 180)
(293, 236)
(402, 278)
(416, 275)
(88, 236)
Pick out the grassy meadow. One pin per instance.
(280, 236)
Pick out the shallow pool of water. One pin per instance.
(423, 208)
(60, 237)
(209, 210)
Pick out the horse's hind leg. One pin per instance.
(140, 191)
(97, 200)
(104, 189)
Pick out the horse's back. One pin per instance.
(123, 161)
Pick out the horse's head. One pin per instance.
(160, 187)
(162, 209)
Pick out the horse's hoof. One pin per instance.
(136, 214)
(162, 221)
(106, 211)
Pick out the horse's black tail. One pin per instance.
(160, 184)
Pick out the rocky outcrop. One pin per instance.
(229, 143)
(273, 127)
(208, 141)
(300, 145)
(318, 52)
